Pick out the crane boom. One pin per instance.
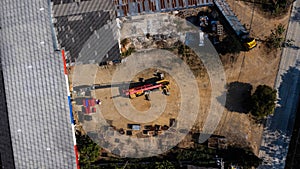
(141, 89)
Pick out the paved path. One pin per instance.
(274, 147)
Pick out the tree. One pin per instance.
(88, 151)
(263, 101)
(276, 38)
(164, 165)
(128, 52)
(273, 8)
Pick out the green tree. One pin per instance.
(275, 7)
(276, 39)
(263, 101)
(128, 52)
(164, 165)
(88, 151)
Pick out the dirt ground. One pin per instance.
(254, 67)
(110, 112)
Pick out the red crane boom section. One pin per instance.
(141, 89)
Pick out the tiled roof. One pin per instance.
(85, 30)
(134, 7)
(35, 87)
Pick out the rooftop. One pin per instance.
(85, 30)
(134, 7)
(36, 93)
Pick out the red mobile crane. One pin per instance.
(140, 90)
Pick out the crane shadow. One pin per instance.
(122, 86)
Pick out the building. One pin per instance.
(135, 7)
(35, 122)
(87, 30)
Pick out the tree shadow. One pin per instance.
(285, 112)
(294, 148)
(241, 156)
(296, 17)
(230, 44)
(238, 96)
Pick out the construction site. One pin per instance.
(148, 84)
(217, 20)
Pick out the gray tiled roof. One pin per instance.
(67, 9)
(82, 29)
(132, 8)
(35, 87)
